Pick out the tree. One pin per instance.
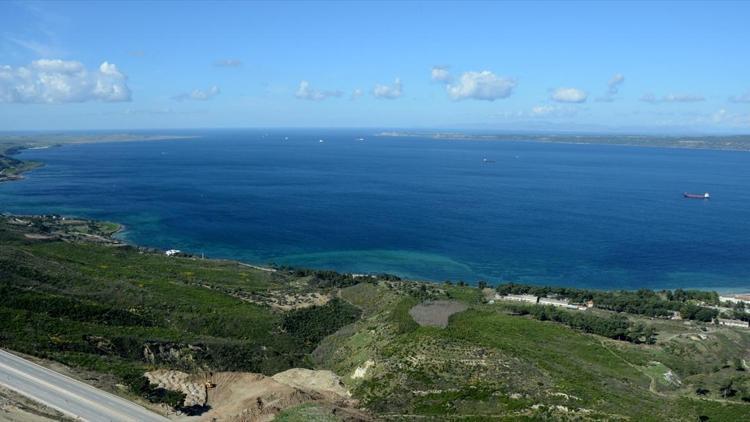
(727, 389)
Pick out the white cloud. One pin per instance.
(39, 48)
(672, 98)
(614, 83)
(356, 94)
(613, 87)
(552, 111)
(198, 94)
(388, 91)
(683, 98)
(483, 85)
(306, 92)
(228, 63)
(569, 95)
(441, 74)
(60, 81)
(744, 98)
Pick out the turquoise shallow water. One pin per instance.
(585, 215)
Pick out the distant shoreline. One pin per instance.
(713, 143)
(12, 169)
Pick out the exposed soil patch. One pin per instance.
(242, 396)
(436, 313)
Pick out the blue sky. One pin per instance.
(636, 67)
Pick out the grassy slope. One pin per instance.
(96, 307)
(167, 303)
(488, 362)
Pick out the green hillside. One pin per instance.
(70, 293)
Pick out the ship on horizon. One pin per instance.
(705, 195)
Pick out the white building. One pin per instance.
(172, 252)
(553, 302)
(563, 303)
(736, 299)
(733, 323)
(519, 298)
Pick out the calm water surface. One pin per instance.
(584, 215)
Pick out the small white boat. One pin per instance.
(321, 141)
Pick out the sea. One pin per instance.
(593, 216)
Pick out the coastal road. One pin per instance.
(74, 398)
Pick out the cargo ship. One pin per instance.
(696, 195)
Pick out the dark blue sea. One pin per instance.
(581, 215)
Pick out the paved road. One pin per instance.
(74, 398)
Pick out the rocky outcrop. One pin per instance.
(195, 389)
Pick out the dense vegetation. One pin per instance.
(311, 325)
(328, 278)
(640, 302)
(616, 327)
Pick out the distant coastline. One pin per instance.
(709, 142)
(13, 169)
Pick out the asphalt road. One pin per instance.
(74, 398)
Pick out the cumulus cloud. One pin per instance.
(388, 91)
(198, 94)
(60, 81)
(306, 92)
(613, 87)
(672, 98)
(228, 63)
(483, 85)
(356, 94)
(569, 95)
(744, 98)
(441, 74)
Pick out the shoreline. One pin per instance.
(735, 143)
(116, 240)
(13, 169)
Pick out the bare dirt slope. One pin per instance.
(238, 396)
(436, 313)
